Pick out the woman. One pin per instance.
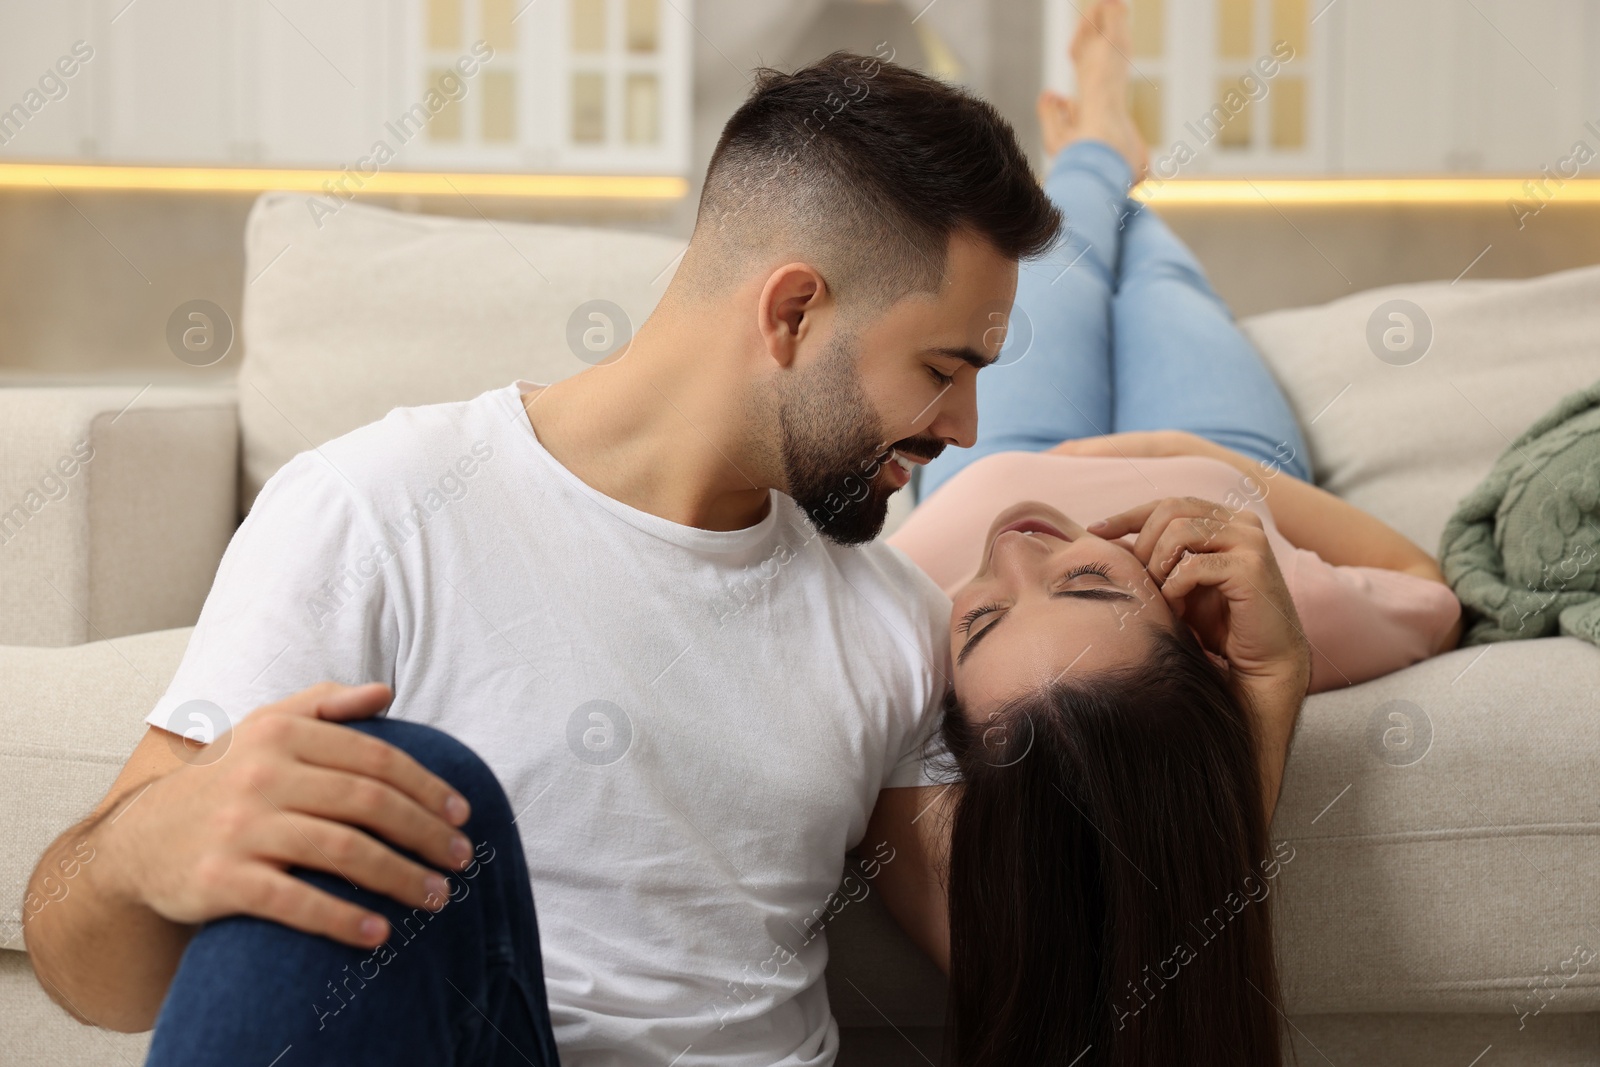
(1124, 692)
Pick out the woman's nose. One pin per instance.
(1020, 556)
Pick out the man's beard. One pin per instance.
(834, 448)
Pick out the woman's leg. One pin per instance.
(463, 985)
(1052, 381)
(1179, 361)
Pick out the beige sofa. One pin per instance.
(1445, 877)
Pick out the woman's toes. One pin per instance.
(1112, 19)
(1058, 120)
(1086, 30)
(1052, 103)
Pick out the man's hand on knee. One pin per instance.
(214, 837)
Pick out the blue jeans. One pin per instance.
(1117, 329)
(464, 985)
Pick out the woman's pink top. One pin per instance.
(1361, 622)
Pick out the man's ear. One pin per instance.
(787, 309)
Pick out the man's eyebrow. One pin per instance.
(967, 355)
(1080, 594)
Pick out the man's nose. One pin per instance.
(956, 416)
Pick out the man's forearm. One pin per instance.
(915, 822)
(99, 953)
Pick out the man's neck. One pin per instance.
(663, 430)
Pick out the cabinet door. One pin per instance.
(168, 77)
(622, 100)
(47, 91)
(471, 88)
(321, 75)
(1491, 86)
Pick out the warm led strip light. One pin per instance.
(1281, 191)
(1178, 191)
(395, 182)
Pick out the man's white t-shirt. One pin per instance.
(693, 725)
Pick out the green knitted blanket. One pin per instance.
(1522, 551)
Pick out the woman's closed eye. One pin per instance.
(1102, 569)
(971, 618)
(974, 615)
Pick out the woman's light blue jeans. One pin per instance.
(1117, 329)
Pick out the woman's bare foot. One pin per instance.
(1099, 52)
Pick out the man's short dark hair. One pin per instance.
(867, 168)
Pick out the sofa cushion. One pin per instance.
(39, 1034)
(1445, 838)
(119, 501)
(69, 719)
(1405, 415)
(351, 315)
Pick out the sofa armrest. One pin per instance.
(69, 718)
(116, 504)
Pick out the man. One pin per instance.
(694, 705)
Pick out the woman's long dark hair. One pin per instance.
(1109, 874)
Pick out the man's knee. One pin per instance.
(448, 758)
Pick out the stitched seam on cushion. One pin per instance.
(1454, 834)
(47, 754)
(1582, 982)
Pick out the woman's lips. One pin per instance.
(1031, 526)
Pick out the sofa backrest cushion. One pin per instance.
(348, 315)
(1407, 394)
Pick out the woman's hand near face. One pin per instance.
(1216, 569)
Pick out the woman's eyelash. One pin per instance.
(971, 617)
(975, 614)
